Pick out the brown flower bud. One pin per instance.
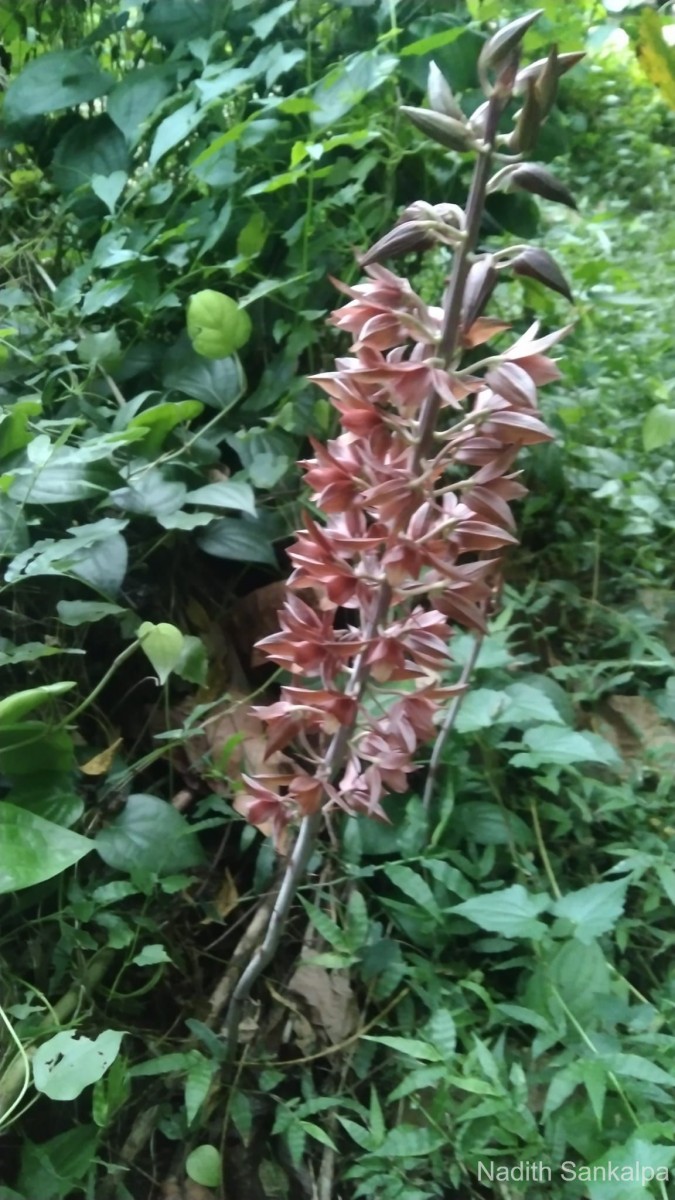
(498, 49)
(546, 85)
(479, 286)
(564, 63)
(535, 263)
(402, 239)
(528, 123)
(445, 130)
(530, 177)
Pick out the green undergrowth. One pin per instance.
(485, 984)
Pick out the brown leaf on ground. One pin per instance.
(256, 616)
(638, 730)
(329, 998)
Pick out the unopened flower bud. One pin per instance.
(440, 94)
(445, 130)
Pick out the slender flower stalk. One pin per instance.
(416, 491)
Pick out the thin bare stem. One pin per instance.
(448, 724)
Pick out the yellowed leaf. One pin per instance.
(656, 57)
(227, 896)
(101, 763)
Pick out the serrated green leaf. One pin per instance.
(594, 910)
(414, 886)
(197, 1083)
(658, 427)
(512, 912)
(411, 1141)
(414, 1047)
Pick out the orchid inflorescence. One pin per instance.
(417, 487)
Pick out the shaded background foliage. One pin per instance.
(151, 151)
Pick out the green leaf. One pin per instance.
(594, 910)
(634, 1066)
(240, 539)
(164, 1064)
(555, 744)
(103, 566)
(56, 482)
(91, 147)
(54, 1167)
(216, 325)
(202, 1166)
(174, 129)
(216, 382)
(136, 98)
(151, 492)
(66, 1064)
(48, 794)
(628, 1181)
(345, 87)
(32, 849)
(163, 646)
(433, 42)
(197, 1083)
(442, 1032)
(512, 912)
(228, 493)
(263, 26)
(31, 746)
(488, 824)
(253, 236)
(15, 431)
(151, 956)
(658, 427)
(411, 1141)
(174, 21)
(414, 887)
(186, 521)
(414, 1047)
(160, 420)
(105, 294)
(56, 80)
(103, 347)
(81, 612)
(13, 707)
(149, 835)
(109, 188)
(193, 664)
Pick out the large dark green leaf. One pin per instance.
(174, 21)
(52, 81)
(149, 835)
(93, 147)
(217, 382)
(136, 98)
(32, 849)
(241, 539)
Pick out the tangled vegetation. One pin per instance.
(479, 990)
